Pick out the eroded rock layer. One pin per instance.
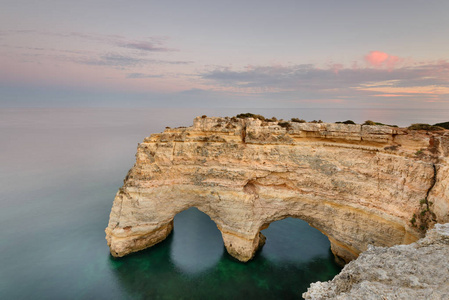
(359, 185)
(416, 271)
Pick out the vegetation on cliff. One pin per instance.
(444, 125)
(250, 115)
(427, 127)
(286, 124)
(369, 122)
(346, 122)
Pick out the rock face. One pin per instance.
(416, 271)
(359, 185)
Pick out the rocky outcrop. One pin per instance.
(416, 271)
(359, 185)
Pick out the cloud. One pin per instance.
(142, 75)
(292, 77)
(114, 60)
(120, 53)
(336, 67)
(174, 62)
(380, 59)
(150, 44)
(125, 61)
(147, 46)
(103, 38)
(283, 77)
(336, 80)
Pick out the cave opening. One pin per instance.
(292, 240)
(197, 243)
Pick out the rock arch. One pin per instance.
(358, 185)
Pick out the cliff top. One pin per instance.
(423, 144)
(229, 124)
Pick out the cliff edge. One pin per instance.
(416, 271)
(359, 185)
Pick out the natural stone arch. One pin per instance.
(359, 185)
(343, 238)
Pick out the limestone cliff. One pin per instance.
(416, 271)
(359, 185)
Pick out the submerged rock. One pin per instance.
(416, 271)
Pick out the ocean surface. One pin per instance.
(59, 172)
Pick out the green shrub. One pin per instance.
(369, 122)
(444, 125)
(298, 120)
(346, 122)
(427, 127)
(285, 125)
(250, 115)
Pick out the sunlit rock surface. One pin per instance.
(416, 271)
(359, 185)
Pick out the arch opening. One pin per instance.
(197, 244)
(293, 240)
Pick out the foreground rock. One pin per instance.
(359, 185)
(416, 271)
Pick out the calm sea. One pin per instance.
(59, 172)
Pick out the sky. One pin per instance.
(286, 53)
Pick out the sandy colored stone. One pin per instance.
(359, 185)
(416, 271)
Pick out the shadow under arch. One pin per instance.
(293, 240)
(304, 220)
(197, 244)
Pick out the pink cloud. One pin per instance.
(388, 95)
(381, 59)
(336, 68)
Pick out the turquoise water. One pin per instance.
(59, 172)
(192, 264)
